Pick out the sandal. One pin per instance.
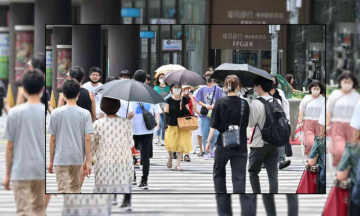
(200, 154)
(169, 163)
(179, 168)
(187, 158)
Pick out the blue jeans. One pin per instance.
(205, 130)
(161, 125)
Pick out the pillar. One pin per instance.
(4, 9)
(86, 50)
(123, 48)
(49, 12)
(100, 12)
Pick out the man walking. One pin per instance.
(92, 85)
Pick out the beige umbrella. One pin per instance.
(167, 68)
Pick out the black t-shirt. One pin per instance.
(227, 111)
(174, 110)
(45, 99)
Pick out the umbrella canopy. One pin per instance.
(167, 68)
(245, 72)
(185, 77)
(130, 90)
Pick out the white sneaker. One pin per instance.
(162, 142)
(157, 141)
(206, 157)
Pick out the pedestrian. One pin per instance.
(125, 74)
(176, 139)
(86, 205)
(261, 151)
(25, 150)
(111, 144)
(196, 134)
(86, 99)
(279, 94)
(92, 85)
(292, 201)
(247, 201)
(186, 93)
(290, 79)
(148, 79)
(142, 136)
(70, 127)
(2, 96)
(317, 153)
(207, 97)
(309, 113)
(340, 108)
(163, 89)
(229, 113)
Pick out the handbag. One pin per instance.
(288, 150)
(308, 181)
(188, 122)
(337, 203)
(205, 111)
(149, 119)
(231, 138)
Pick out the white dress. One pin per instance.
(87, 205)
(114, 166)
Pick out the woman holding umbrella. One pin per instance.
(176, 139)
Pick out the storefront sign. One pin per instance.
(147, 34)
(172, 45)
(4, 55)
(24, 46)
(131, 12)
(163, 21)
(49, 60)
(63, 64)
(255, 12)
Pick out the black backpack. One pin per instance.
(149, 119)
(276, 130)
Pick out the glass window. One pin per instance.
(165, 34)
(144, 50)
(154, 51)
(154, 9)
(141, 5)
(192, 11)
(195, 48)
(169, 9)
(177, 35)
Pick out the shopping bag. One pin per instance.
(307, 183)
(136, 156)
(337, 203)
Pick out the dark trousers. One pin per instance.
(268, 154)
(292, 200)
(353, 210)
(127, 198)
(238, 161)
(143, 142)
(320, 188)
(248, 201)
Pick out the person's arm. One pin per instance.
(52, 153)
(130, 115)
(101, 115)
(313, 161)
(9, 159)
(93, 107)
(6, 106)
(302, 110)
(194, 105)
(94, 141)
(61, 101)
(211, 134)
(87, 165)
(166, 116)
(343, 175)
(20, 99)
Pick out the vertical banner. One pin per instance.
(63, 63)
(4, 55)
(24, 48)
(49, 60)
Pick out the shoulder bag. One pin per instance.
(149, 119)
(205, 111)
(188, 122)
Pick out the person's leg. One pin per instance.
(145, 154)
(269, 204)
(271, 164)
(22, 192)
(193, 141)
(37, 197)
(256, 159)
(338, 142)
(293, 204)
(162, 129)
(205, 129)
(200, 144)
(281, 154)
(223, 202)
(158, 132)
(47, 199)
(62, 178)
(238, 169)
(178, 160)
(219, 170)
(309, 135)
(75, 175)
(248, 204)
(127, 198)
(213, 141)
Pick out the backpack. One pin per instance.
(355, 194)
(149, 119)
(276, 130)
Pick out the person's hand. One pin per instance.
(7, 182)
(87, 169)
(207, 146)
(208, 107)
(157, 127)
(50, 167)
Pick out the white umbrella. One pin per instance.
(167, 68)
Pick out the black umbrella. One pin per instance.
(187, 77)
(245, 72)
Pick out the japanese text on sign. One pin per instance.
(240, 36)
(254, 15)
(243, 43)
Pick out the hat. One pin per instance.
(187, 86)
(208, 73)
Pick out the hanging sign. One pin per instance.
(63, 63)
(4, 53)
(172, 45)
(24, 49)
(49, 60)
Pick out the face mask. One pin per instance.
(315, 92)
(161, 81)
(177, 91)
(94, 82)
(347, 86)
(208, 80)
(187, 92)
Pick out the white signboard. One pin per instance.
(171, 45)
(163, 21)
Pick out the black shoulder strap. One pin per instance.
(241, 111)
(142, 107)
(212, 99)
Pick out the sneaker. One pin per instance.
(143, 185)
(157, 141)
(206, 157)
(126, 206)
(284, 164)
(263, 166)
(114, 202)
(212, 154)
(134, 182)
(162, 143)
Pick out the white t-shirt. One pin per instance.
(322, 116)
(97, 96)
(123, 108)
(311, 107)
(198, 107)
(138, 119)
(342, 106)
(355, 121)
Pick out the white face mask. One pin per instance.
(347, 86)
(315, 92)
(177, 91)
(187, 92)
(255, 92)
(161, 81)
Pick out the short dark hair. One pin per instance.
(316, 83)
(110, 106)
(348, 75)
(157, 82)
(125, 73)
(276, 80)
(289, 77)
(140, 75)
(210, 67)
(109, 79)
(77, 73)
(148, 77)
(95, 69)
(33, 81)
(38, 61)
(71, 88)
(233, 81)
(265, 84)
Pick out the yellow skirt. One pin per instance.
(178, 140)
